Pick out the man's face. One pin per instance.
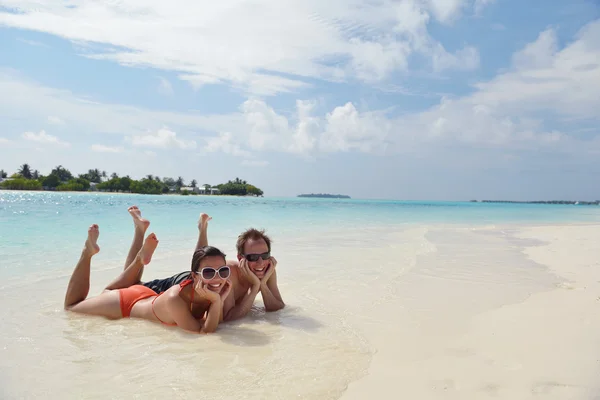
(252, 249)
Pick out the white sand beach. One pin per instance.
(420, 312)
(481, 325)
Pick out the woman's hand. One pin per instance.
(206, 294)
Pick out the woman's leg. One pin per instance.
(107, 304)
(129, 277)
(141, 225)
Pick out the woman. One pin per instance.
(207, 288)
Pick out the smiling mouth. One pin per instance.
(215, 287)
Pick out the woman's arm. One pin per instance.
(182, 316)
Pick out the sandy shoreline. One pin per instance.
(542, 344)
(440, 311)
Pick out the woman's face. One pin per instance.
(213, 273)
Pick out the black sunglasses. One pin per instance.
(209, 273)
(255, 257)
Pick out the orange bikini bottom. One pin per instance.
(131, 295)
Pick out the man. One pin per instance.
(254, 271)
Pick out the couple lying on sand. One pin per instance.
(215, 290)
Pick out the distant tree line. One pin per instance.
(325, 195)
(61, 179)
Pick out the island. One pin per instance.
(95, 180)
(572, 202)
(325, 196)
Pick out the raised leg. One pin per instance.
(107, 304)
(203, 231)
(130, 276)
(79, 284)
(141, 225)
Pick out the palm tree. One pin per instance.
(193, 183)
(62, 173)
(180, 183)
(114, 175)
(36, 174)
(3, 174)
(25, 171)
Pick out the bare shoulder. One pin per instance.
(172, 296)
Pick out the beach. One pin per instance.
(530, 331)
(385, 301)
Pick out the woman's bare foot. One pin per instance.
(139, 222)
(148, 248)
(91, 246)
(203, 222)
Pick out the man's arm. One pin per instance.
(203, 231)
(270, 294)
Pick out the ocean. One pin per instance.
(338, 260)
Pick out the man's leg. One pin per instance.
(141, 225)
(130, 276)
(203, 228)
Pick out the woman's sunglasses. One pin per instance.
(209, 273)
(255, 257)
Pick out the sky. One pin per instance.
(388, 99)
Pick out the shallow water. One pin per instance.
(346, 269)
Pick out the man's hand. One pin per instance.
(247, 273)
(269, 289)
(270, 271)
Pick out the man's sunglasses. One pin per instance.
(255, 257)
(209, 273)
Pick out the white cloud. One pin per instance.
(164, 87)
(55, 120)
(481, 4)
(32, 43)
(100, 148)
(162, 139)
(225, 143)
(446, 10)
(4, 141)
(43, 137)
(30, 100)
(270, 46)
(546, 85)
(255, 163)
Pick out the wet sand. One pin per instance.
(423, 312)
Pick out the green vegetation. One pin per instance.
(61, 179)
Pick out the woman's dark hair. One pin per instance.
(203, 252)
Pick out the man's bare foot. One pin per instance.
(139, 222)
(91, 246)
(203, 222)
(148, 248)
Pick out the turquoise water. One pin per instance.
(355, 275)
(39, 229)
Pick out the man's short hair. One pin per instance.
(251, 234)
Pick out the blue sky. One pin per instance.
(412, 99)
